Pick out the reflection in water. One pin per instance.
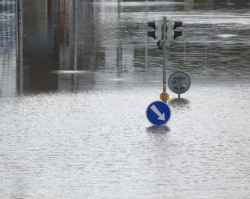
(110, 37)
(71, 72)
(20, 46)
(179, 103)
(119, 39)
(8, 49)
(190, 5)
(158, 129)
(146, 41)
(20, 64)
(75, 43)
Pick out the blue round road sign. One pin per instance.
(158, 113)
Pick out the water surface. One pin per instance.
(73, 118)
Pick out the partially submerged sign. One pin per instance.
(158, 113)
(179, 82)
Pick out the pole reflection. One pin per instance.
(75, 33)
(20, 46)
(146, 40)
(75, 41)
(119, 39)
(8, 49)
(158, 129)
(179, 103)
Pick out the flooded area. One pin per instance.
(73, 107)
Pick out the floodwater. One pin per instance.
(73, 111)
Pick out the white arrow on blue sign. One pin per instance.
(158, 113)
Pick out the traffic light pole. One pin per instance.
(160, 34)
(164, 93)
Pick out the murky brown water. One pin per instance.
(72, 121)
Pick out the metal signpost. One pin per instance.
(164, 93)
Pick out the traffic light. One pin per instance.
(170, 30)
(171, 33)
(158, 33)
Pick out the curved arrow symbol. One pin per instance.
(161, 116)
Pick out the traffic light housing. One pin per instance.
(171, 33)
(157, 34)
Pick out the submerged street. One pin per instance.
(73, 112)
